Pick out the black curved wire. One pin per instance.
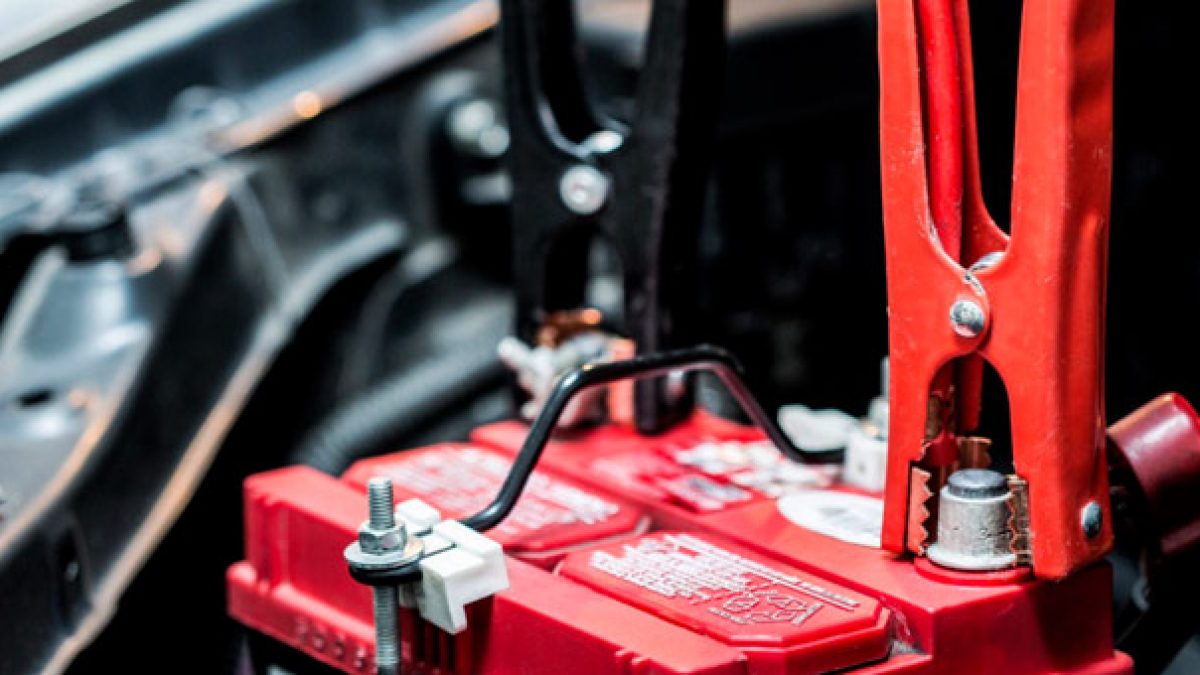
(702, 357)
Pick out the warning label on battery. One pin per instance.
(460, 480)
(685, 568)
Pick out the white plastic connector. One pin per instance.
(865, 464)
(460, 566)
(470, 569)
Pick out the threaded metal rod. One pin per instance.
(381, 504)
(381, 507)
(387, 639)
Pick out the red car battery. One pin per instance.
(554, 515)
(743, 589)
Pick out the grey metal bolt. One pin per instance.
(584, 189)
(1092, 519)
(382, 516)
(967, 317)
(383, 544)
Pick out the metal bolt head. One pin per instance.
(968, 318)
(1091, 519)
(381, 540)
(583, 189)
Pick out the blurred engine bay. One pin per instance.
(240, 235)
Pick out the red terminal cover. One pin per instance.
(1159, 444)
(554, 515)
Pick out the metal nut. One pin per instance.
(374, 540)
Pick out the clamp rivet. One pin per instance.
(968, 318)
(1092, 518)
(583, 189)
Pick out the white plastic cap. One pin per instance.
(865, 464)
(816, 430)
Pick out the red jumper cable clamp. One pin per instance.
(961, 291)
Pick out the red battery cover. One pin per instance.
(553, 516)
(785, 620)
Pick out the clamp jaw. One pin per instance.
(961, 291)
(639, 186)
